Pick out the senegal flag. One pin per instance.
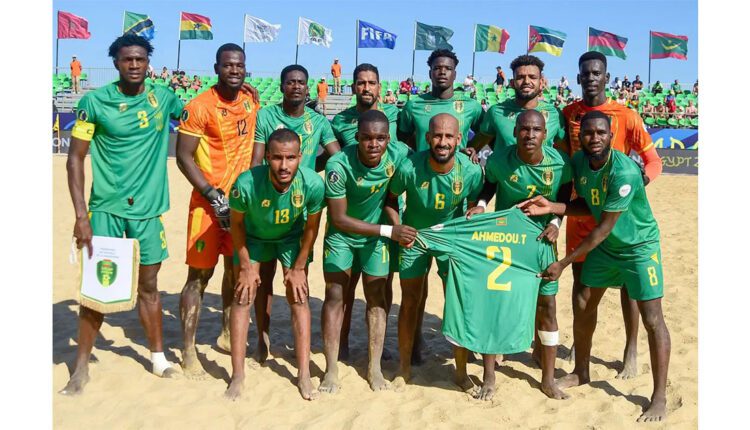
(490, 38)
(665, 45)
(194, 26)
(545, 40)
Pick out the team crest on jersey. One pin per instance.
(428, 108)
(389, 170)
(548, 176)
(512, 116)
(308, 127)
(360, 180)
(235, 192)
(333, 177)
(458, 186)
(265, 203)
(425, 185)
(152, 100)
(185, 115)
(248, 107)
(583, 180)
(458, 106)
(82, 115)
(298, 199)
(501, 221)
(514, 178)
(123, 107)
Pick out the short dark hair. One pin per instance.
(292, 68)
(129, 40)
(595, 114)
(442, 53)
(365, 67)
(373, 116)
(592, 55)
(228, 47)
(283, 135)
(527, 60)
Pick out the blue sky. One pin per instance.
(631, 19)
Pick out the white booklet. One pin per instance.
(109, 279)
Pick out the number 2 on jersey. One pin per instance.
(492, 279)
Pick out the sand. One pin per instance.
(123, 393)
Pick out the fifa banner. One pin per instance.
(109, 279)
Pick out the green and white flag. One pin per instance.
(430, 37)
(312, 32)
(258, 30)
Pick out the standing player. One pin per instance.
(276, 212)
(214, 145)
(313, 130)
(624, 250)
(514, 174)
(438, 184)
(356, 186)
(630, 137)
(128, 123)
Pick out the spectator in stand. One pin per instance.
(426, 89)
(626, 84)
(634, 101)
(695, 87)
(691, 111)
(164, 73)
(184, 80)
(75, 74)
(175, 82)
(499, 79)
(679, 112)
(196, 84)
(621, 100)
(405, 86)
(469, 84)
(414, 89)
(637, 83)
(336, 73)
(657, 88)
(558, 104)
(485, 106)
(648, 110)
(660, 111)
(563, 85)
(616, 85)
(390, 98)
(676, 87)
(322, 93)
(670, 102)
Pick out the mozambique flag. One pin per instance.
(545, 40)
(194, 26)
(490, 38)
(607, 43)
(138, 24)
(665, 45)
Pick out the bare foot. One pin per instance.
(572, 380)
(463, 382)
(234, 391)
(191, 366)
(378, 382)
(78, 380)
(486, 392)
(657, 411)
(399, 384)
(629, 369)
(223, 342)
(306, 390)
(330, 383)
(554, 392)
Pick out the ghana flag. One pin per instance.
(490, 38)
(665, 45)
(194, 26)
(545, 40)
(607, 43)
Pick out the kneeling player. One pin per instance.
(268, 206)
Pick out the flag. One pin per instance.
(372, 36)
(490, 38)
(141, 25)
(71, 26)
(545, 40)
(429, 37)
(665, 45)
(310, 31)
(194, 26)
(56, 125)
(607, 43)
(258, 30)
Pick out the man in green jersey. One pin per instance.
(438, 183)
(276, 211)
(128, 123)
(498, 125)
(357, 181)
(623, 249)
(516, 173)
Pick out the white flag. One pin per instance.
(258, 30)
(312, 32)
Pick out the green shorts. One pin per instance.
(262, 251)
(414, 263)
(149, 232)
(371, 255)
(641, 276)
(549, 256)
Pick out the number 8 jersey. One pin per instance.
(491, 286)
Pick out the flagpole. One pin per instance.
(296, 53)
(474, 51)
(356, 45)
(588, 40)
(414, 51)
(649, 60)
(57, 53)
(179, 40)
(528, 36)
(123, 21)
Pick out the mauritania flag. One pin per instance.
(310, 31)
(258, 30)
(194, 26)
(430, 37)
(545, 40)
(372, 36)
(607, 43)
(490, 38)
(136, 23)
(665, 45)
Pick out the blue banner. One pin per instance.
(674, 138)
(372, 36)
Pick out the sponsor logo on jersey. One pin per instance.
(514, 178)
(655, 258)
(548, 176)
(624, 190)
(582, 180)
(428, 108)
(248, 106)
(265, 203)
(298, 199)
(308, 127)
(458, 186)
(389, 170)
(224, 112)
(185, 115)
(106, 272)
(333, 177)
(360, 180)
(82, 115)
(512, 116)
(501, 221)
(152, 100)
(123, 107)
(458, 106)
(425, 185)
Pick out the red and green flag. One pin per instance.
(607, 43)
(194, 26)
(490, 38)
(665, 45)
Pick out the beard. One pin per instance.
(442, 160)
(600, 156)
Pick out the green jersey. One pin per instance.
(433, 198)
(517, 181)
(363, 187)
(269, 214)
(500, 121)
(491, 286)
(416, 114)
(129, 138)
(618, 187)
(345, 123)
(313, 130)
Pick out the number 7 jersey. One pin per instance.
(491, 286)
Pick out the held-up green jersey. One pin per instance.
(500, 120)
(129, 139)
(364, 188)
(345, 123)
(433, 198)
(416, 114)
(313, 129)
(618, 187)
(271, 215)
(517, 181)
(491, 287)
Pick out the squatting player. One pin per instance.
(214, 145)
(629, 136)
(623, 250)
(276, 211)
(357, 182)
(128, 123)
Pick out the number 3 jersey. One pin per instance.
(491, 286)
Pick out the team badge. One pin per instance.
(360, 180)
(501, 221)
(248, 106)
(583, 180)
(224, 112)
(185, 115)
(604, 183)
(512, 116)
(514, 178)
(458, 106)
(308, 127)
(458, 186)
(548, 176)
(123, 107)
(624, 190)
(389, 170)
(428, 108)
(265, 203)
(425, 185)
(106, 272)
(298, 199)
(333, 177)
(152, 100)
(235, 192)
(82, 115)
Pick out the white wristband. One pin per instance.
(386, 230)
(482, 204)
(556, 221)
